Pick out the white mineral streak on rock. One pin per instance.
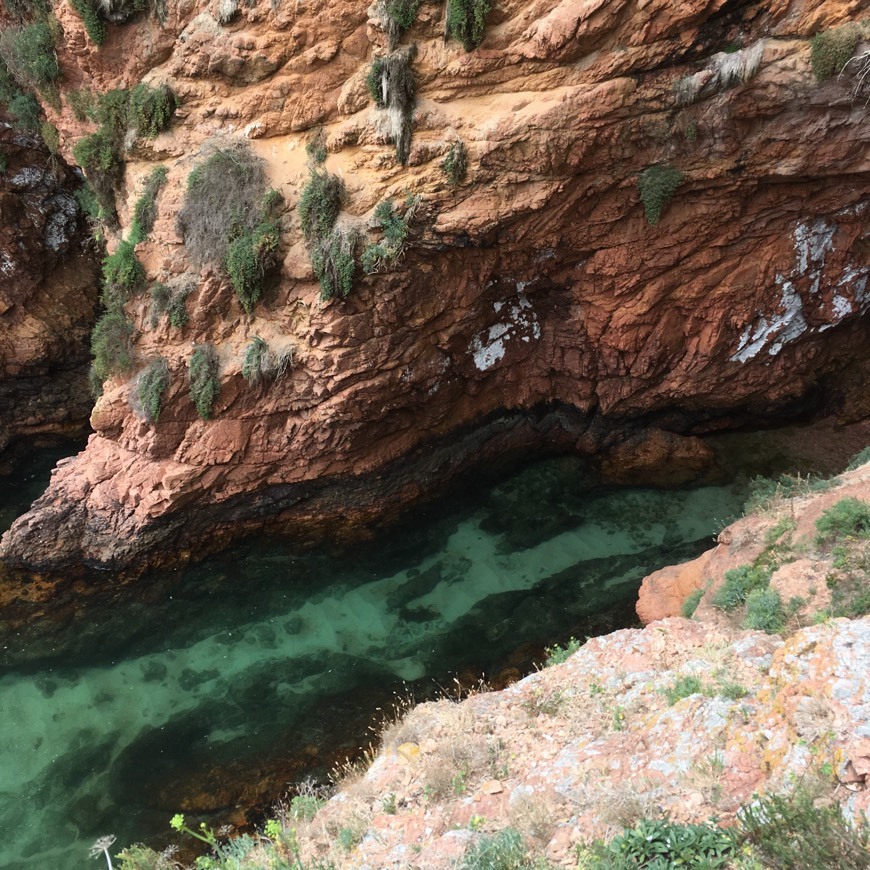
(520, 322)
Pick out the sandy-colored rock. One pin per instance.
(534, 305)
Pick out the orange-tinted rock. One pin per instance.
(535, 286)
(656, 458)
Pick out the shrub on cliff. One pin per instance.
(320, 204)
(391, 84)
(111, 348)
(223, 199)
(145, 210)
(764, 611)
(831, 50)
(29, 55)
(396, 17)
(848, 518)
(151, 384)
(123, 276)
(395, 233)
(151, 109)
(24, 110)
(466, 21)
(205, 387)
(455, 164)
(262, 364)
(90, 16)
(333, 259)
(657, 185)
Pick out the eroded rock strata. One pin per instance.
(48, 294)
(536, 285)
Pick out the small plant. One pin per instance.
(831, 50)
(177, 309)
(81, 104)
(657, 185)
(765, 492)
(101, 847)
(848, 518)
(348, 837)
(682, 687)
(110, 346)
(455, 164)
(315, 148)
(50, 136)
(731, 690)
(320, 204)
(303, 808)
(556, 654)
(334, 264)
(223, 201)
(690, 605)
(151, 109)
(389, 805)
(859, 459)
(205, 385)
(739, 582)
(390, 81)
(261, 364)
(662, 844)
(145, 210)
(123, 276)
(248, 258)
(396, 17)
(29, 55)
(151, 384)
(466, 21)
(764, 611)
(90, 16)
(24, 110)
(395, 230)
(502, 851)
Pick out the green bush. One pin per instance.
(81, 104)
(764, 611)
(303, 808)
(657, 185)
(690, 605)
(466, 21)
(315, 148)
(123, 276)
(110, 346)
(395, 230)
(793, 831)
(831, 50)
(178, 316)
(90, 16)
(151, 109)
(374, 82)
(334, 264)
(50, 137)
(764, 492)
(848, 518)
(29, 55)
(89, 204)
(248, 258)
(400, 15)
(682, 687)
(661, 844)
(859, 459)
(557, 654)
(24, 110)
(145, 210)
(320, 204)
(738, 583)
(223, 201)
(150, 387)
(393, 87)
(205, 387)
(504, 850)
(455, 164)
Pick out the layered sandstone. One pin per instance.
(48, 294)
(535, 306)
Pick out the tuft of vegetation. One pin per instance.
(765, 492)
(223, 201)
(832, 49)
(739, 582)
(315, 148)
(657, 185)
(303, 808)
(320, 204)
(93, 22)
(690, 605)
(111, 348)
(682, 687)
(203, 371)
(50, 136)
(396, 17)
(848, 518)
(151, 384)
(557, 654)
(391, 84)
(29, 55)
(455, 164)
(145, 210)
(24, 110)
(123, 276)
(81, 103)
(178, 316)
(764, 611)
(395, 234)
(466, 21)
(249, 257)
(859, 459)
(334, 263)
(151, 109)
(504, 850)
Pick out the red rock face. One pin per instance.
(48, 295)
(536, 287)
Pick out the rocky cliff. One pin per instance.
(48, 295)
(534, 303)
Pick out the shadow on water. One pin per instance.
(213, 687)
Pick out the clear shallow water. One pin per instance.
(175, 700)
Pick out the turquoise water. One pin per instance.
(184, 692)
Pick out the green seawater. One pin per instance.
(265, 652)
